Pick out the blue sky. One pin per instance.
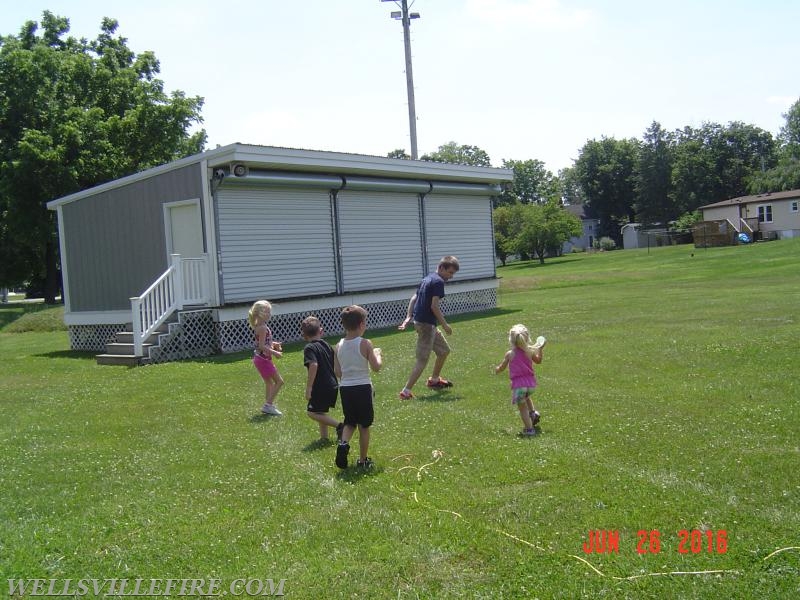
(521, 79)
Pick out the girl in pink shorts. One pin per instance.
(266, 349)
(519, 360)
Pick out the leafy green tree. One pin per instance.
(532, 183)
(571, 190)
(606, 171)
(74, 114)
(399, 153)
(785, 173)
(654, 177)
(687, 220)
(507, 222)
(459, 155)
(695, 180)
(545, 228)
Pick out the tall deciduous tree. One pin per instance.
(533, 183)
(784, 174)
(545, 228)
(654, 178)
(454, 153)
(606, 170)
(74, 114)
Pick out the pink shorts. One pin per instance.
(265, 366)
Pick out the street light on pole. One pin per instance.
(406, 17)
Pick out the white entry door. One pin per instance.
(184, 228)
(184, 233)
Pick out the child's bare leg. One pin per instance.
(529, 402)
(416, 371)
(325, 421)
(347, 433)
(525, 415)
(277, 384)
(363, 442)
(268, 385)
(438, 365)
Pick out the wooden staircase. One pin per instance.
(121, 350)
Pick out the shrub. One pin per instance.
(605, 243)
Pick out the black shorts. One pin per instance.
(357, 405)
(322, 402)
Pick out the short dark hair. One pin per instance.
(353, 316)
(310, 326)
(449, 262)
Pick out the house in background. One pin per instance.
(590, 229)
(164, 264)
(763, 216)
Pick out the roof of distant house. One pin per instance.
(756, 198)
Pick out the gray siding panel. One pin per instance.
(275, 243)
(115, 239)
(460, 226)
(381, 245)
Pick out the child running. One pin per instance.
(321, 385)
(354, 357)
(519, 361)
(266, 348)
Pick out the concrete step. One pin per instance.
(117, 359)
(124, 348)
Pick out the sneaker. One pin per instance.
(528, 432)
(404, 395)
(339, 431)
(271, 409)
(438, 384)
(342, 450)
(365, 464)
(535, 417)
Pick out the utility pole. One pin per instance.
(406, 17)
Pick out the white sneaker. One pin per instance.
(270, 409)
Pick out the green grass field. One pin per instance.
(669, 400)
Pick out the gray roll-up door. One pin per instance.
(380, 237)
(461, 226)
(275, 243)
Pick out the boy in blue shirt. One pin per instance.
(424, 311)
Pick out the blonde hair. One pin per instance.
(520, 337)
(258, 311)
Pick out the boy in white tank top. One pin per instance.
(354, 357)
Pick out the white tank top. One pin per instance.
(355, 368)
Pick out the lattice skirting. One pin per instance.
(237, 335)
(196, 334)
(92, 338)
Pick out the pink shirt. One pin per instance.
(520, 369)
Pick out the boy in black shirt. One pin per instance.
(321, 385)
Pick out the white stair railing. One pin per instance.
(156, 304)
(195, 280)
(184, 282)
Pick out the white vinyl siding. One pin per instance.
(380, 240)
(275, 243)
(460, 226)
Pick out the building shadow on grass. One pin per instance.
(78, 354)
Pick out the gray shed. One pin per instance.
(164, 264)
